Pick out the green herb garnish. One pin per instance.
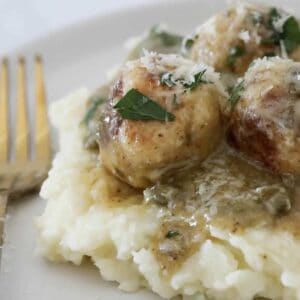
(257, 18)
(234, 53)
(289, 35)
(92, 110)
(166, 38)
(188, 43)
(136, 106)
(158, 40)
(167, 79)
(198, 79)
(274, 16)
(275, 36)
(236, 93)
(171, 234)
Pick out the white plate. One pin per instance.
(79, 56)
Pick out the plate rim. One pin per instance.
(89, 21)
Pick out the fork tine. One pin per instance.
(42, 135)
(4, 111)
(22, 122)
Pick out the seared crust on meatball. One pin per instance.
(144, 152)
(265, 122)
(230, 41)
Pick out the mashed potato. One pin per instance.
(89, 213)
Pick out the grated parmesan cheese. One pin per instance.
(244, 36)
(181, 68)
(266, 62)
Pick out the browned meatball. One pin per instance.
(231, 40)
(144, 152)
(265, 123)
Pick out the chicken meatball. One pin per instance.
(230, 41)
(163, 116)
(265, 123)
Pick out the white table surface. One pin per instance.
(24, 20)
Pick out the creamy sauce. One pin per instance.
(226, 191)
(179, 238)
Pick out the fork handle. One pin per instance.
(4, 193)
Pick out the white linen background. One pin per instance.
(24, 20)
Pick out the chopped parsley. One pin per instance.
(166, 38)
(171, 234)
(198, 79)
(273, 16)
(257, 18)
(188, 43)
(92, 110)
(136, 106)
(234, 53)
(274, 37)
(159, 40)
(167, 79)
(289, 34)
(236, 93)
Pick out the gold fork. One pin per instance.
(22, 174)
